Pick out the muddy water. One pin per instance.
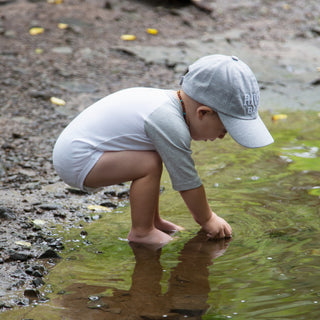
(269, 270)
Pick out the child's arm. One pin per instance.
(197, 203)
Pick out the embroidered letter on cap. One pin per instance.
(251, 102)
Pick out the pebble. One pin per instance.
(62, 50)
(31, 293)
(19, 256)
(49, 254)
(38, 282)
(49, 206)
(7, 214)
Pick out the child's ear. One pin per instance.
(203, 110)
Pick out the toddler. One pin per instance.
(129, 134)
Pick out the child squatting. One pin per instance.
(129, 135)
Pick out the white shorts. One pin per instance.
(73, 160)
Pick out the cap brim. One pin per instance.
(248, 133)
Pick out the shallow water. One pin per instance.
(269, 270)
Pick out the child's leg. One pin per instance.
(144, 169)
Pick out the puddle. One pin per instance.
(270, 269)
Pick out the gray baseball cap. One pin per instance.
(228, 86)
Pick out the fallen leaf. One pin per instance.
(57, 101)
(38, 51)
(63, 26)
(279, 117)
(286, 6)
(55, 1)
(128, 37)
(36, 30)
(152, 31)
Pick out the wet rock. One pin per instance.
(315, 82)
(123, 194)
(38, 282)
(108, 204)
(37, 274)
(40, 94)
(60, 215)
(110, 193)
(108, 5)
(316, 31)
(18, 284)
(49, 206)
(49, 253)
(7, 214)
(31, 293)
(19, 256)
(56, 244)
(3, 2)
(29, 271)
(76, 191)
(83, 233)
(93, 298)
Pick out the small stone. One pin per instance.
(31, 293)
(123, 194)
(37, 274)
(38, 282)
(7, 214)
(108, 204)
(19, 256)
(49, 206)
(49, 254)
(62, 50)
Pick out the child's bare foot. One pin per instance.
(154, 236)
(167, 226)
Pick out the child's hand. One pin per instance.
(217, 228)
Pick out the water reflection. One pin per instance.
(187, 293)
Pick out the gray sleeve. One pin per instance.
(171, 137)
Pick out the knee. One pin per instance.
(154, 164)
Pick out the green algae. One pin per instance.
(271, 198)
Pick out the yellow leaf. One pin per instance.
(57, 101)
(38, 51)
(63, 25)
(286, 6)
(315, 252)
(152, 31)
(128, 37)
(55, 1)
(36, 30)
(98, 208)
(318, 69)
(279, 117)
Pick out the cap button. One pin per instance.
(235, 58)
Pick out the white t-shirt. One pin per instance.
(130, 119)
